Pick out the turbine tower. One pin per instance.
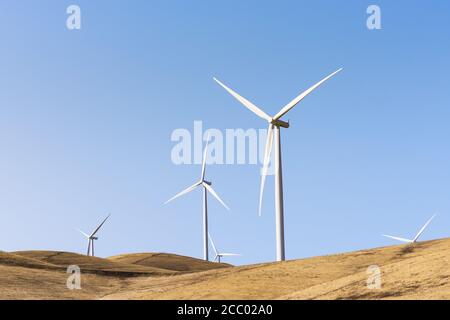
(417, 235)
(220, 255)
(275, 123)
(206, 185)
(91, 238)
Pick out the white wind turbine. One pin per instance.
(220, 255)
(417, 235)
(91, 238)
(206, 188)
(274, 134)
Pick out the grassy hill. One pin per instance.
(167, 261)
(91, 264)
(420, 271)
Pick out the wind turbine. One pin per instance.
(220, 255)
(273, 133)
(91, 238)
(417, 235)
(206, 188)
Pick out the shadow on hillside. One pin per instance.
(410, 248)
(407, 249)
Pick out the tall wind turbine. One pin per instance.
(417, 235)
(206, 185)
(220, 255)
(274, 134)
(92, 237)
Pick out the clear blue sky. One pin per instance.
(86, 118)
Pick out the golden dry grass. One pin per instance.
(420, 271)
(91, 264)
(167, 261)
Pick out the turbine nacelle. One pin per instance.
(280, 123)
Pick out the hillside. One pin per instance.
(91, 264)
(420, 271)
(11, 259)
(168, 261)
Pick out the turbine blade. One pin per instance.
(204, 160)
(187, 190)
(101, 224)
(212, 243)
(267, 153)
(230, 254)
(245, 102)
(84, 234)
(211, 190)
(299, 98)
(216, 257)
(399, 239)
(423, 228)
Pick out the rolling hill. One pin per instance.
(91, 264)
(419, 271)
(168, 261)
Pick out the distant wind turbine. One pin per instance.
(91, 238)
(206, 188)
(416, 237)
(220, 255)
(274, 134)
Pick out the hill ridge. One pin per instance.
(419, 271)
